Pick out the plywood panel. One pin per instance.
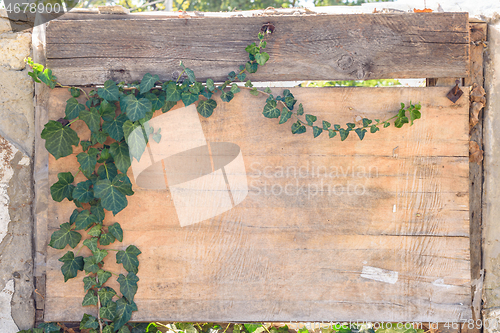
(85, 49)
(305, 241)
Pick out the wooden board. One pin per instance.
(87, 49)
(395, 250)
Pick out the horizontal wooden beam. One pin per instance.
(88, 49)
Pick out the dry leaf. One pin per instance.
(358, 120)
(475, 108)
(425, 10)
(475, 153)
(477, 95)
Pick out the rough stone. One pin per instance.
(491, 194)
(16, 108)
(4, 25)
(7, 324)
(15, 47)
(16, 263)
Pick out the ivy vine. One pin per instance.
(112, 113)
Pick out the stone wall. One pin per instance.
(17, 309)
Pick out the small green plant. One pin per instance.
(105, 167)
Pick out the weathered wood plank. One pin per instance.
(281, 257)
(92, 50)
(478, 35)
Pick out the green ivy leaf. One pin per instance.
(115, 127)
(241, 76)
(317, 131)
(84, 220)
(414, 114)
(104, 155)
(59, 139)
(106, 239)
(248, 84)
(92, 118)
(64, 236)
(73, 216)
(252, 49)
(106, 171)
(49, 328)
(106, 294)
(87, 162)
(88, 281)
(336, 127)
(206, 108)
(85, 145)
(108, 312)
(190, 75)
(168, 106)
(89, 321)
(91, 243)
(63, 187)
(300, 110)
(387, 124)
(210, 85)
(82, 191)
(128, 285)
(102, 277)
(188, 98)
(124, 311)
(290, 102)
(234, 88)
(129, 258)
(47, 78)
(120, 153)
(331, 133)
(98, 211)
(172, 92)
(157, 101)
(99, 136)
(270, 110)
(109, 92)
(91, 265)
(148, 82)
(107, 110)
(226, 96)
(262, 58)
(360, 132)
(310, 119)
(326, 125)
(366, 122)
(298, 128)
(135, 139)
(122, 182)
(350, 126)
(251, 67)
(400, 121)
(112, 199)
(137, 108)
(254, 92)
(373, 129)
(89, 299)
(116, 230)
(71, 265)
(75, 92)
(285, 115)
(95, 231)
(343, 134)
(73, 108)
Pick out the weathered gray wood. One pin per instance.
(85, 49)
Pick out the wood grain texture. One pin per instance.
(478, 34)
(282, 257)
(86, 49)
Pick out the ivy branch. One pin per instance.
(105, 164)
